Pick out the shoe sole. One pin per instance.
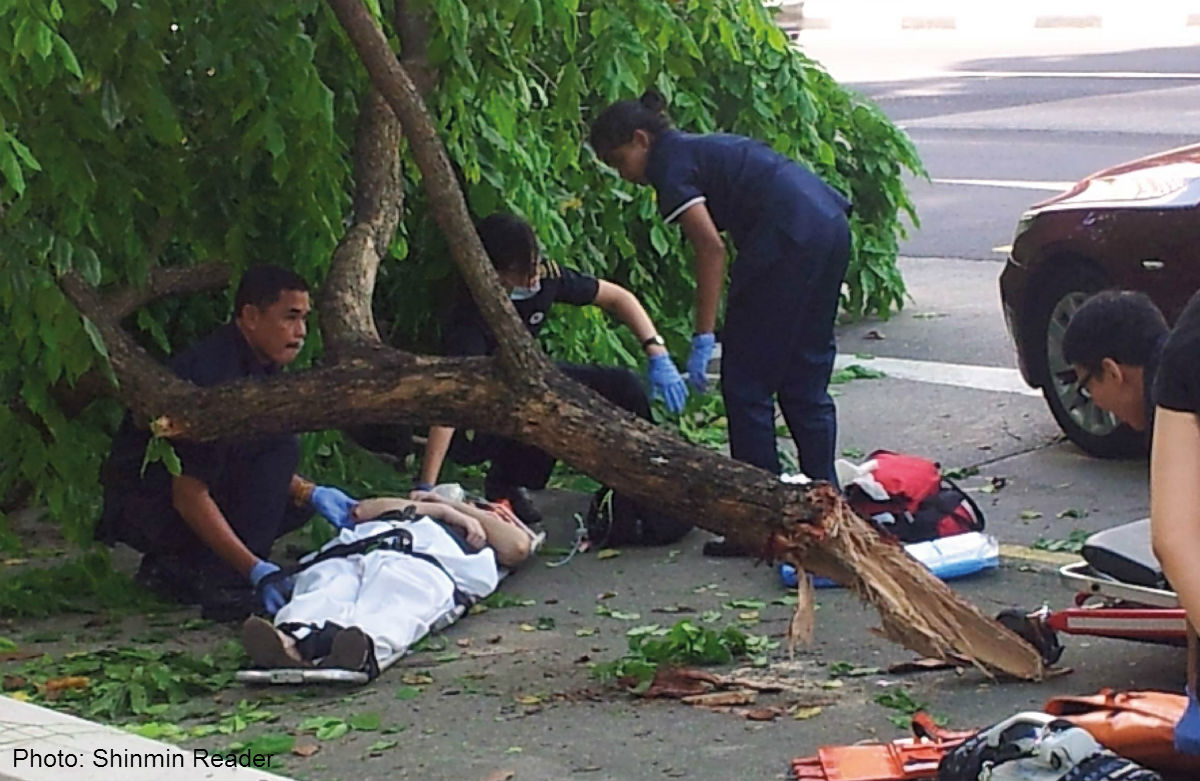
(349, 651)
(264, 644)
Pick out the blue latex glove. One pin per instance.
(665, 382)
(334, 504)
(697, 365)
(418, 486)
(1187, 730)
(273, 595)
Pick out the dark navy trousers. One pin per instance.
(778, 344)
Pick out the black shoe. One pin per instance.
(724, 548)
(522, 503)
(352, 650)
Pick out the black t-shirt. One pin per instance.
(248, 478)
(467, 333)
(1177, 381)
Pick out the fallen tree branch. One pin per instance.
(122, 302)
(519, 355)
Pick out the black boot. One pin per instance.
(522, 503)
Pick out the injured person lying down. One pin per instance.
(409, 566)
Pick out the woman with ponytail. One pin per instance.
(792, 237)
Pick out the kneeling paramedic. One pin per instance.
(533, 285)
(206, 533)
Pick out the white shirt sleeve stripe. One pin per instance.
(684, 207)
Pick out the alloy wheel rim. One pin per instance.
(1063, 382)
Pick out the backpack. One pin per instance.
(613, 519)
(922, 505)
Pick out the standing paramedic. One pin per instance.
(533, 285)
(792, 237)
(206, 534)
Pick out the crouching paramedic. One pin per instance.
(206, 534)
(379, 587)
(1113, 344)
(533, 286)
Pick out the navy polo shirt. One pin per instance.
(467, 333)
(747, 186)
(249, 478)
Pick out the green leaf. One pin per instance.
(11, 169)
(365, 722)
(380, 746)
(111, 5)
(272, 743)
(408, 693)
(67, 56)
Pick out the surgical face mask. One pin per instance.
(523, 293)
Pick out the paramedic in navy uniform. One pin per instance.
(206, 534)
(792, 237)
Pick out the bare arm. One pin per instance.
(706, 240)
(1174, 497)
(436, 448)
(625, 306)
(510, 541)
(191, 500)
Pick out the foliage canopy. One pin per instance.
(173, 132)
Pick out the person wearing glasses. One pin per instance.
(1114, 343)
(533, 285)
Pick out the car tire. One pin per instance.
(1093, 430)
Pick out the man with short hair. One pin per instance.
(1113, 343)
(206, 533)
(533, 285)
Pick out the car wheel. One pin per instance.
(1095, 431)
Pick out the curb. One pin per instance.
(1034, 559)
(39, 744)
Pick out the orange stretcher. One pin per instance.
(906, 759)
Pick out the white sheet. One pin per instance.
(393, 597)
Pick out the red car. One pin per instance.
(1136, 227)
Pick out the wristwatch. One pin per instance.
(653, 340)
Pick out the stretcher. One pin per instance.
(1120, 592)
(905, 759)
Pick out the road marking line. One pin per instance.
(1074, 75)
(959, 375)
(1015, 184)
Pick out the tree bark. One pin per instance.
(519, 394)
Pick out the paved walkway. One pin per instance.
(38, 744)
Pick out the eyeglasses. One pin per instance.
(1081, 386)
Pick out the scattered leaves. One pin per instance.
(608, 553)
(1072, 544)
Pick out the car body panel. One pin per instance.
(1135, 225)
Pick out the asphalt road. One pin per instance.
(1042, 116)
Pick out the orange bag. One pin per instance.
(1137, 725)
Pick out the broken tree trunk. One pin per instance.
(521, 395)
